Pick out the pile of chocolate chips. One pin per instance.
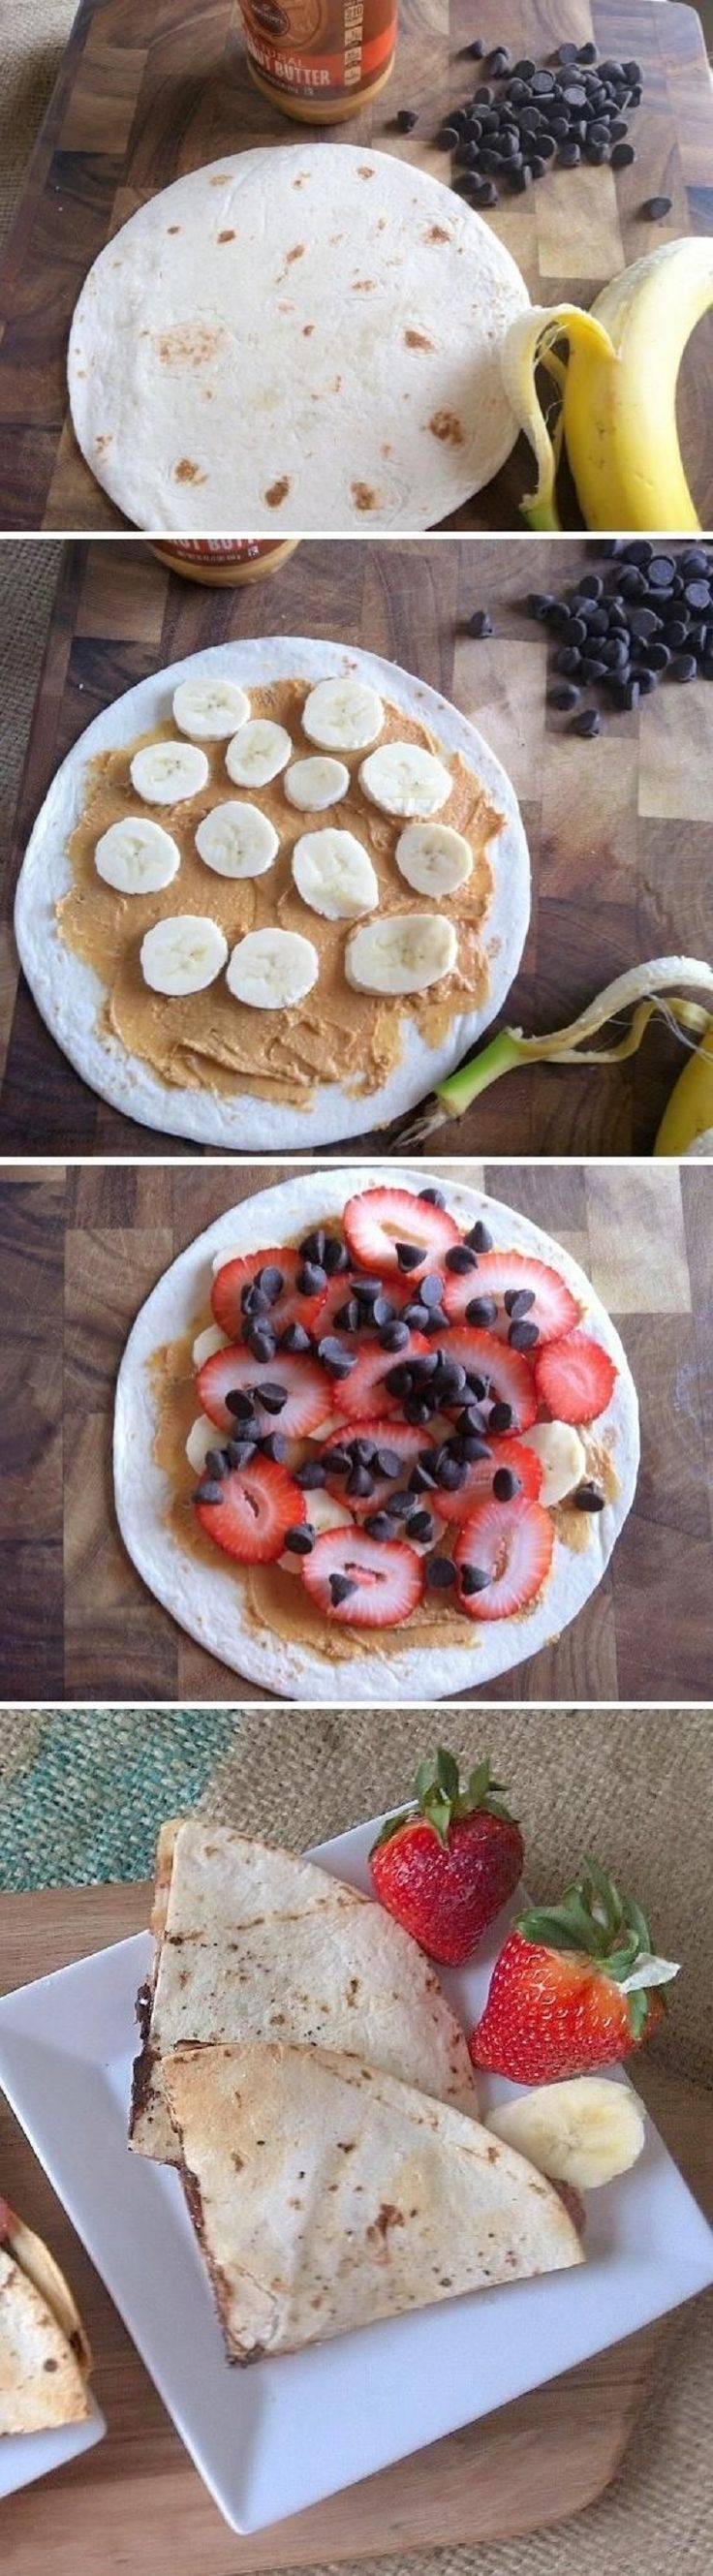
(527, 118)
(649, 618)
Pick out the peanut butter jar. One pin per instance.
(320, 60)
(225, 562)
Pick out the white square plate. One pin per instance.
(271, 2440)
(26, 2456)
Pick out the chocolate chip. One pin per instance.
(339, 1462)
(661, 571)
(240, 1403)
(460, 1258)
(481, 1312)
(469, 1446)
(505, 1484)
(422, 1479)
(394, 1337)
(382, 1312)
(215, 1462)
(522, 1337)
(398, 1380)
(311, 1279)
(433, 1198)
(406, 119)
(335, 1358)
(440, 1574)
(294, 1338)
(261, 1341)
(473, 1579)
(517, 1302)
(271, 1396)
(430, 1289)
(450, 1473)
(348, 1317)
(417, 1317)
(420, 1528)
(314, 1246)
(271, 1282)
(565, 697)
(409, 1255)
(312, 1476)
(588, 1498)
(341, 1587)
(300, 1541)
(380, 1525)
(209, 1491)
(360, 1483)
(588, 723)
(501, 1417)
(336, 1257)
(479, 623)
(479, 1237)
(388, 1462)
(622, 155)
(682, 666)
(274, 1445)
(240, 1452)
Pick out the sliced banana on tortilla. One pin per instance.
(237, 840)
(183, 953)
(257, 753)
(584, 2131)
(167, 772)
(136, 856)
(209, 710)
(323, 1513)
(207, 1343)
(402, 778)
(272, 969)
(562, 1458)
(402, 954)
(312, 785)
(202, 1437)
(433, 858)
(343, 715)
(334, 874)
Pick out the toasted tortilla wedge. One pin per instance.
(326, 2195)
(42, 2381)
(33, 2258)
(254, 1943)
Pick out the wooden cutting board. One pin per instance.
(619, 828)
(146, 95)
(77, 1258)
(535, 2462)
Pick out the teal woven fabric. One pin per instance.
(86, 1802)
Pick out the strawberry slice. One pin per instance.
(367, 1391)
(401, 1441)
(380, 1224)
(297, 1393)
(508, 1373)
(575, 1379)
(283, 1306)
(550, 1307)
(363, 1582)
(509, 1459)
(257, 1505)
(503, 1554)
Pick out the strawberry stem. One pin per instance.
(439, 1798)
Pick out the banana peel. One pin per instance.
(662, 986)
(687, 1123)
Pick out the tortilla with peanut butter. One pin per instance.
(206, 1066)
(259, 1621)
(306, 337)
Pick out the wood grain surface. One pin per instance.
(619, 828)
(77, 1258)
(535, 2462)
(146, 95)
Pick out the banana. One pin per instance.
(562, 1456)
(183, 953)
(688, 1117)
(258, 751)
(237, 841)
(402, 778)
(618, 411)
(343, 715)
(202, 1437)
(315, 784)
(323, 1513)
(334, 874)
(207, 1343)
(137, 856)
(164, 773)
(272, 969)
(401, 955)
(584, 2131)
(433, 858)
(332, 1422)
(209, 710)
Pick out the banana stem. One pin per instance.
(643, 991)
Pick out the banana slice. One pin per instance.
(137, 856)
(315, 784)
(332, 1422)
(206, 1344)
(202, 1437)
(401, 955)
(233, 1252)
(257, 752)
(402, 778)
(166, 772)
(237, 841)
(209, 710)
(183, 953)
(584, 2131)
(324, 1513)
(562, 1456)
(334, 874)
(433, 858)
(272, 969)
(343, 715)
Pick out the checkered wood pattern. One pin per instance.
(619, 828)
(78, 1256)
(145, 95)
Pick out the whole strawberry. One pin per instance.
(575, 1986)
(445, 1866)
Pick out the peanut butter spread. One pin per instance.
(210, 1041)
(273, 1599)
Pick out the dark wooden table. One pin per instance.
(619, 828)
(78, 1255)
(146, 94)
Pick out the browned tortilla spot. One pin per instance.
(104, 440)
(364, 285)
(437, 232)
(364, 171)
(187, 472)
(174, 228)
(278, 492)
(190, 344)
(363, 497)
(222, 179)
(417, 340)
(446, 426)
(227, 237)
(307, 330)
(297, 253)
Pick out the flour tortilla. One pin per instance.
(252, 1942)
(70, 996)
(258, 330)
(42, 2382)
(326, 2196)
(210, 1603)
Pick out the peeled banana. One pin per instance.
(688, 1118)
(618, 392)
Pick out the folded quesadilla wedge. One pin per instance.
(33, 2257)
(254, 1943)
(326, 2195)
(42, 2379)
